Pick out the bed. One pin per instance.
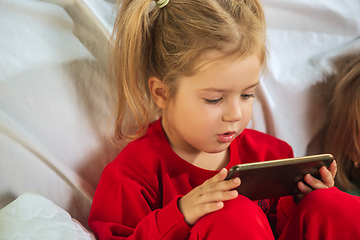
(55, 102)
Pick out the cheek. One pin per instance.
(190, 108)
(200, 117)
(186, 113)
(247, 111)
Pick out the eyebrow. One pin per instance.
(225, 90)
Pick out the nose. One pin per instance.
(233, 112)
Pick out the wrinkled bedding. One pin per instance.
(55, 100)
(31, 216)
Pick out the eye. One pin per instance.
(213, 101)
(247, 96)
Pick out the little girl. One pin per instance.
(198, 62)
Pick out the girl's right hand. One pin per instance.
(208, 197)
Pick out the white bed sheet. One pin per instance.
(303, 37)
(55, 102)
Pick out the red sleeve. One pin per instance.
(123, 209)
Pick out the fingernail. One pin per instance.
(234, 193)
(335, 163)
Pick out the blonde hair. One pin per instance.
(170, 42)
(342, 128)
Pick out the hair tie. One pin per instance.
(162, 3)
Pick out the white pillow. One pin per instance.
(32, 216)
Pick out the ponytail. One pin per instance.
(129, 39)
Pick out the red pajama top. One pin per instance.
(137, 195)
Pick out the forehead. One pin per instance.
(225, 73)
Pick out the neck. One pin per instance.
(209, 161)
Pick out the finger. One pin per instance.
(223, 186)
(222, 174)
(314, 183)
(326, 176)
(210, 182)
(303, 188)
(216, 196)
(202, 210)
(192, 216)
(222, 191)
(227, 185)
(218, 183)
(210, 207)
(333, 169)
(217, 178)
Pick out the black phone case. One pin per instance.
(276, 178)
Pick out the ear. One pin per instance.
(158, 91)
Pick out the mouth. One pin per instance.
(226, 137)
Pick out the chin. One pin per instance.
(218, 150)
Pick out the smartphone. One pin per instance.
(277, 178)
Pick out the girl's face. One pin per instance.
(212, 107)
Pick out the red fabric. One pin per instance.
(239, 219)
(324, 214)
(137, 195)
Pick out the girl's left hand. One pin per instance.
(327, 179)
